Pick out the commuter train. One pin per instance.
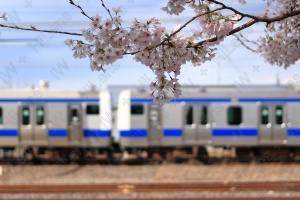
(254, 120)
(33, 122)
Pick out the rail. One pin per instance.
(154, 187)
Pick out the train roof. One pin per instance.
(47, 93)
(228, 89)
(213, 88)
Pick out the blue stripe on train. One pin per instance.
(133, 133)
(294, 132)
(178, 133)
(8, 133)
(172, 132)
(57, 133)
(144, 132)
(217, 132)
(50, 100)
(244, 132)
(269, 100)
(188, 100)
(86, 133)
(96, 133)
(291, 132)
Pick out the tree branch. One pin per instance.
(234, 10)
(250, 23)
(78, 6)
(254, 19)
(103, 5)
(243, 43)
(192, 19)
(259, 19)
(40, 30)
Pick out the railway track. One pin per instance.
(154, 187)
(231, 198)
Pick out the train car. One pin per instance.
(253, 120)
(36, 122)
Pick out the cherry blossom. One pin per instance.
(117, 10)
(281, 44)
(165, 52)
(69, 42)
(4, 16)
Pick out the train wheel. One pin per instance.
(202, 155)
(156, 157)
(28, 155)
(244, 154)
(74, 156)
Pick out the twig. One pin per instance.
(242, 43)
(40, 30)
(247, 39)
(254, 19)
(78, 6)
(257, 18)
(192, 19)
(250, 23)
(103, 5)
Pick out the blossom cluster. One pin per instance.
(4, 16)
(281, 45)
(164, 53)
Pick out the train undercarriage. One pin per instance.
(157, 155)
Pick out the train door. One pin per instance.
(32, 126)
(25, 120)
(190, 123)
(203, 124)
(279, 132)
(40, 127)
(265, 123)
(75, 122)
(155, 124)
(272, 119)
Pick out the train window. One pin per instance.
(74, 115)
(234, 115)
(1, 117)
(40, 115)
(203, 115)
(264, 112)
(189, 115)
(137, 109)
(154, 113)
(25, 116)
(92, 109)
(279, 114)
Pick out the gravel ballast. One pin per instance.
(63, 174)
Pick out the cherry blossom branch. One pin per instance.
(192, 19)
(278, 18)
(257, 18)
(175, 32)
(39, 30)
(78, 6)
(250, 23)
(243, 43)
(103, 5)
(254, 20)
(245, 39)
(234, 10)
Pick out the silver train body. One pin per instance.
(48, 119)
(240, 117)
(266, 116)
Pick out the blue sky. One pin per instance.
(42, 62)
